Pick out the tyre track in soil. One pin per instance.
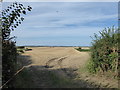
(66, 73)
(58, 55)
(54, 60)
(63, 70)
(60, 61)
(57, 58)
(49, 62)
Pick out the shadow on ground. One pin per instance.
(42, 77)
(23, 60)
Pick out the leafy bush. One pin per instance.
(104, 51)
(11, 19)
(8, 61)
(83, 50)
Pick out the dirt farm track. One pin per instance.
(57, 67)
(58, 57)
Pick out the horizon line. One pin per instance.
(51, 46)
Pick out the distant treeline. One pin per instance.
(51, 46)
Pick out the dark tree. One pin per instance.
(11, 19)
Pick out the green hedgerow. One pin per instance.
(104, 51)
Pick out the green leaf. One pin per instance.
(18, 15)
(15, 26)
(24, 12)
(29, 9)
(3, 17)
(19, 22)
(7, 9)
(22, 18)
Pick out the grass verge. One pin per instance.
(23, 80)
(83, 50)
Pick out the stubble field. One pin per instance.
(57, 67)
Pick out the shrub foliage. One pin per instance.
(104, 51)
(11, 19)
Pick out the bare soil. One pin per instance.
(58, 67)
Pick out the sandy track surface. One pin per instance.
(63, 62)
(57, 57)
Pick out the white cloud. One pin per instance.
(54, 20)
(51, 18)
(57, 32)
(62, 14)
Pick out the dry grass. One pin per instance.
(59, 67)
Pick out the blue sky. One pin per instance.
(64, 23)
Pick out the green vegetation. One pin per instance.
(22, 49)
(48, 79)
(104, 52)
(59, 81)
(83, 50)
(22, 80)
(11, 19)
